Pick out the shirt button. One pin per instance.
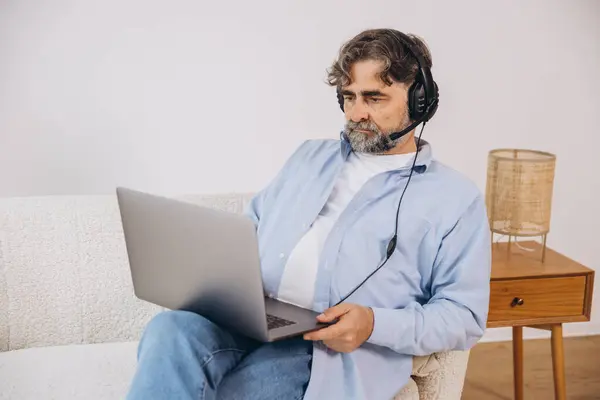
(281, 255)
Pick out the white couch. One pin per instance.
(69, 321)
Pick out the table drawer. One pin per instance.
(534, 298)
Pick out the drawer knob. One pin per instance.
(516, 302)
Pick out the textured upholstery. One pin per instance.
(66, 271)
(101, 371)
(64, 280)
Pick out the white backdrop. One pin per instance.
(198, 96)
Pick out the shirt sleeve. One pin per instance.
(456, 315)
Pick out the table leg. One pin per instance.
(558, 363)
(518, 361)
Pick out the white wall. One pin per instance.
(190, 96)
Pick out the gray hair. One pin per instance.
(380, 45)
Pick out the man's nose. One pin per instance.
(358, 112)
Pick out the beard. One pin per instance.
(376, 141)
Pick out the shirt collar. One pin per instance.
(424, 155)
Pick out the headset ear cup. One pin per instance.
(437, 98)
(340, 98)
(417, 101)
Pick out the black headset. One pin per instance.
(422, 104)
(423, 95)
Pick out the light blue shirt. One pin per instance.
(431, 296)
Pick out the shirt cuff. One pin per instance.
(383, 326)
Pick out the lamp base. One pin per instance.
(508, 248)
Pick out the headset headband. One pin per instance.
(424, 73)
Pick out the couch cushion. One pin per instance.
(448, 379)
(425, 365)
(91, 372)
(410, 391)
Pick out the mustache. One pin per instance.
(362, 125)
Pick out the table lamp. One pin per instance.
(519, 193)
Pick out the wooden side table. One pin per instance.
(528, 292)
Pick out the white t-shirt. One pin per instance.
(298, 281)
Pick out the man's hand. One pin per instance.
(354, 327)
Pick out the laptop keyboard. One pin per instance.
(276, 322)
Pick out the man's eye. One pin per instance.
(375, 100)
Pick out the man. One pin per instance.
(369, 221)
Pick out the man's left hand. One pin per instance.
(354, 327)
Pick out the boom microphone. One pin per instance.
(397, 135)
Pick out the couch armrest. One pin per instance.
(447, 381)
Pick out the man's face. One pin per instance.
(373, 109)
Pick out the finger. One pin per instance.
(323, 334)
(334, 312)
(336, 345)
(328, 333)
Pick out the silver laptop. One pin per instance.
(188, 257)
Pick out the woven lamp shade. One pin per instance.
(519, 191)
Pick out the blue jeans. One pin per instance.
(182, 355)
